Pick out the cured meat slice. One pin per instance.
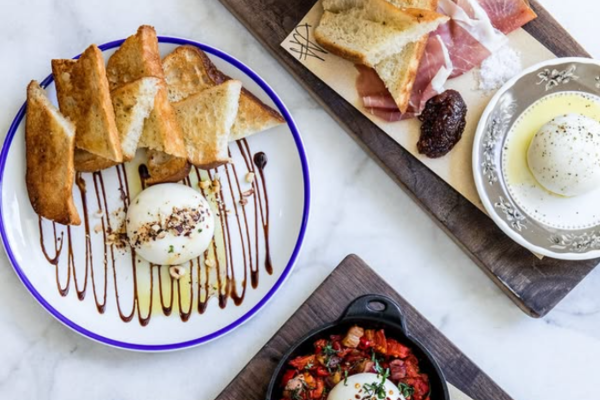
(385, 102)
(375, 96)
(476, 29)
(508, 15)
(469, 15)
(387, 115)
(435, 68)
(368, 83)
(469, 36)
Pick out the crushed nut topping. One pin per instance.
(248, 193)
(117, 238)
(209, 262)
(177, 272)
(181, 222)
(216, 185)
(205, 184)
(250, 177)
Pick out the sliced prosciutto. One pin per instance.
(469, 36)
(375, 96)
(476, 29)
(465, 51)
(435, 68)
(508, 15)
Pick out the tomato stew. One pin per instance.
(313, 375)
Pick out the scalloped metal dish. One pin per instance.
(558, 75)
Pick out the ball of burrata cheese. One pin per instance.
(564, 155)
(354, 388)
(169, 224)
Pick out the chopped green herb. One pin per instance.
(377, 389)
(171, 249)
(328, 350)
(309, 365)
(200, 230)
(376, 367)
(346, 378)
(296, 394)
(406, 390)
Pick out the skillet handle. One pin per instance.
(375, 306)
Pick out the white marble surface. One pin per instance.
(553, 358)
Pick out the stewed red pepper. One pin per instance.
(312, 376)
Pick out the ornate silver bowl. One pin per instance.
(554, 76)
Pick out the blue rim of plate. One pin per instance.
(235, 324)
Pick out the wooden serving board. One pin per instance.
(535, 285)
(351, 279)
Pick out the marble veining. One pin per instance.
(356, 208)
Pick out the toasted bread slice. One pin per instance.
(88, 162)
(372, 30)
(161, 131)
(206, 119)
(164, 168)
(138, 57)
(188, 70)
(253, 116)
(49, 143)
(133, 103)
(399, 71)
(84, 98)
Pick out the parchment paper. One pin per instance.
(455, 168)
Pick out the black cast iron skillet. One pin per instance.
(370, 312)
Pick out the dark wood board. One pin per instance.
(351, 279)
(535, 285)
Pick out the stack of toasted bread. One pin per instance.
(387, 35)
(182, 111)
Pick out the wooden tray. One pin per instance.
(535, 285)
(351, 279)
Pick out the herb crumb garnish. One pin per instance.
(406, 390)
(171, 249)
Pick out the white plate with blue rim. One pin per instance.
(548, 224)
(100, 291)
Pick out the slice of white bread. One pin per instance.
(139, 57)
(161, 131)
(49, 144)
(84, 98)
(399, 71)
(188, 70)
(132, 103)
(369, 31)
(136, 58)
(206, 119)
